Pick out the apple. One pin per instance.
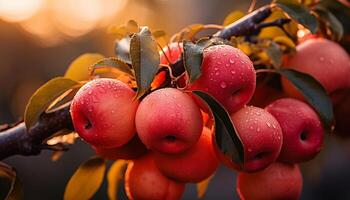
(228, 75)
(194, 165)
(301, 127)
(323, 59)
(143, 181)
(261, 136)
(103, 113)
(278, 181)
(169, 121)
(129, 151)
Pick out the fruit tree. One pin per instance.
(260, 94)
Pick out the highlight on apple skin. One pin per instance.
(103, 113)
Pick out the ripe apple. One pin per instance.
(228, 75)
(103, 113)
(169, 121)
(325, 60)
(278, 181)
(194, 165)
(261, 136)
(129, 151)
(168, 56)
(301, 127)
(143, 181)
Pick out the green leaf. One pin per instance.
(10, 185)
(203, 186)
(340, 11)
(314, 93)
(44, 96)
(300, 13)
(193, 56)
(331, 22)
(116, 63)
(275, 54)
(226, 136)
(79, 69)
(86, 180)
(115, 177)
(145, 59)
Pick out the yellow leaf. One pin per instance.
(86, 180)
(232, 17)
(44, 96)
(245, 47)
(284, 40)
(203, 186)
(272, 32)
(79, 69)
(114, 177)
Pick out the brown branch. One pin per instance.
(18, 140)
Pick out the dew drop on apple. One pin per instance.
(268, 124)
(258, 129)
(223, 84)
(217, 73)
(232, 61)
(321, 58)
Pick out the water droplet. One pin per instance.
(258, 130)
(268, 124)
(321, 58)
(233, 72)
(251, 128)
(217, 73)
(273, 126)
(223, 84)
(250, 150)
(219, 63)
(227, 65)
(90, 92)
(215, 68)
(225, 54)
(232, 61)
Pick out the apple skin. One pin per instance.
(278, 181)
(129, 151)
(323, 59)
(194, 165)
(301, 127)
(228, 75)
(143, 181)
(169, 121)
(103, 113)
(261, 136)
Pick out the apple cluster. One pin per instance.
(169, 134)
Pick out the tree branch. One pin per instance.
(18, 140)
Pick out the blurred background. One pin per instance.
(39, 39)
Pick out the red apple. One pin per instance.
(301, 127)
(325, 60)
(169, 121)
(261, 136)
(278, 181)
(103, 113)
(228, 75)
(143, 181)
(194, 165)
